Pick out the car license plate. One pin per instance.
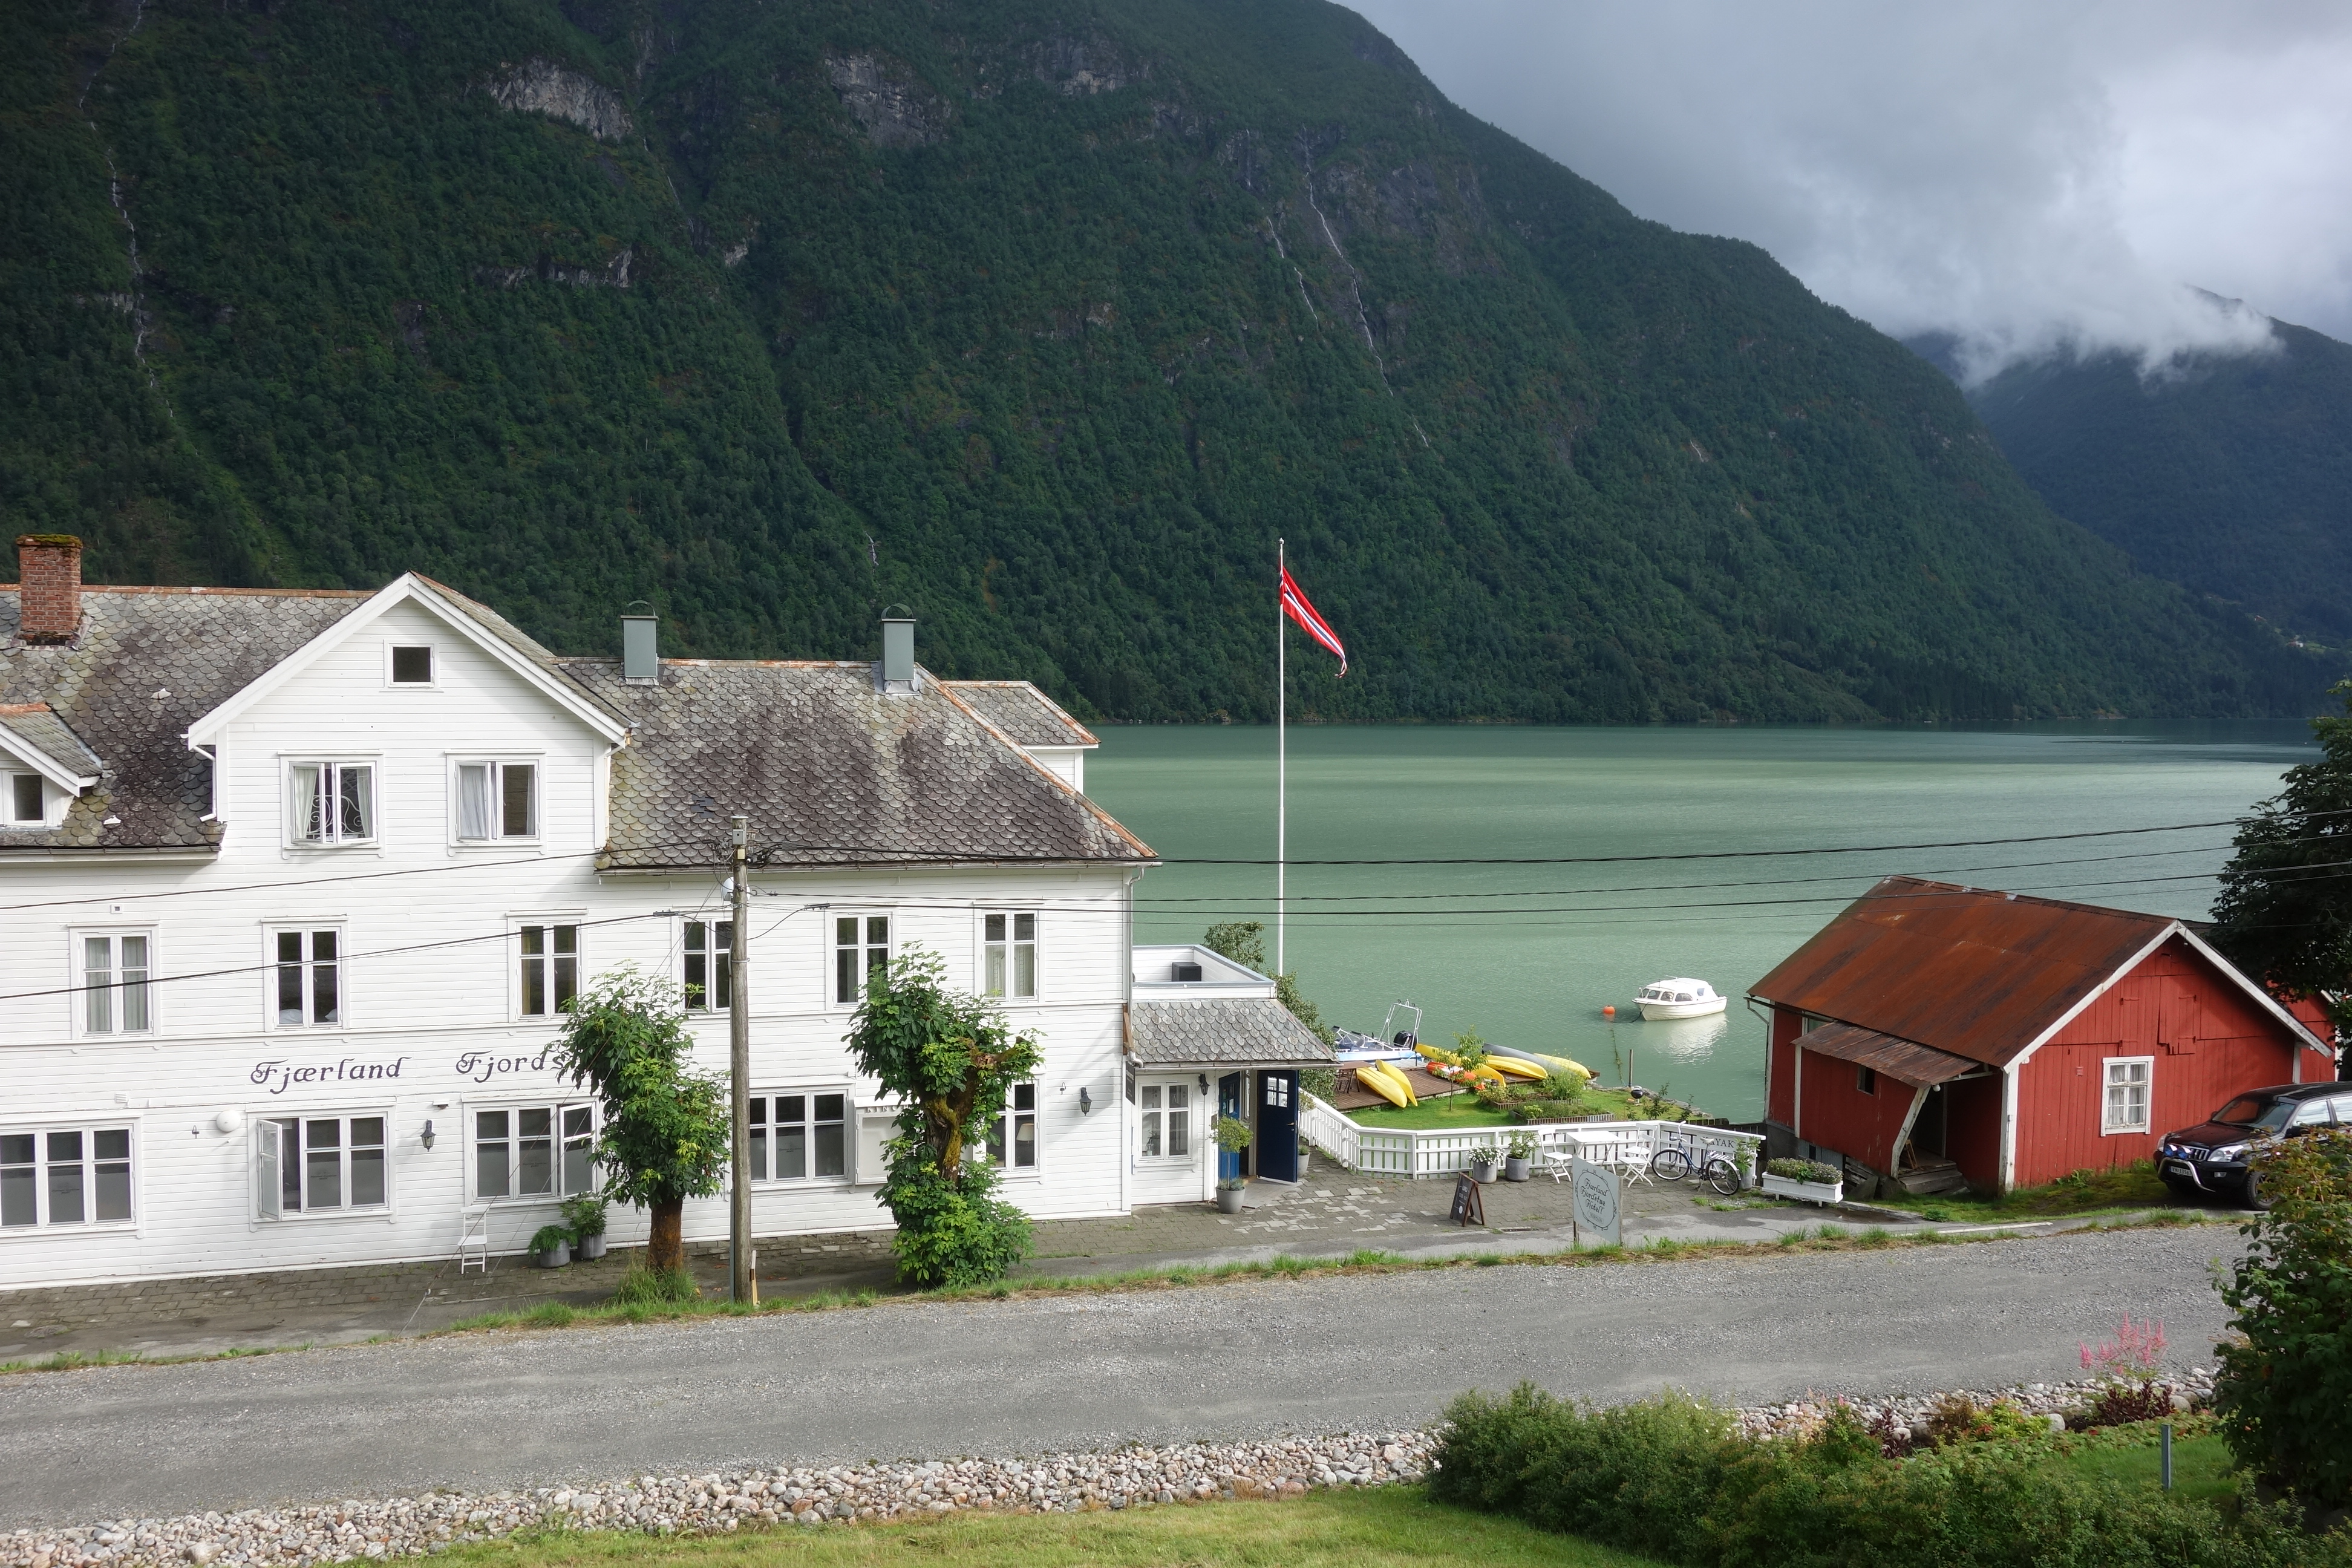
(2178, 1167)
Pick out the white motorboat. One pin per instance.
(1391, 1045)
(1682, 998)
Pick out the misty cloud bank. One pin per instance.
(2022, 177)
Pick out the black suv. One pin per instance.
(2211, 1157)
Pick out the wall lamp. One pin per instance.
(426, 1137)
(1086, 1101)
(1205, 1083)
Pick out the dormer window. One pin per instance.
(26, 804)
(331, 803)
(412, 666)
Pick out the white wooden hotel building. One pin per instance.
(294, 883)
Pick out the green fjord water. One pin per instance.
(1527, 954)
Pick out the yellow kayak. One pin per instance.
(1515, 1067)
(1561, 1065)
(1394, 1074)
(1369, 1076)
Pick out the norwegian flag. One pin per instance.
(1310, 620)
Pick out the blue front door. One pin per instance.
(1230, 1090)
(1278, 1125)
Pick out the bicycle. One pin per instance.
(1672, 1163)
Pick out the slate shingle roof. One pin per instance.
(147, 664)
(1235, 1031)
(819, 759)
(1025, 714)
(37, 726)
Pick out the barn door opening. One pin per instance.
(1928, 1132)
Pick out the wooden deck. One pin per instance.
(1347, 1097)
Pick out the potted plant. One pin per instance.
(1807, 1179)
(1518, 1150)
(1483, 1161)
(1305, 1153)
(550, 1246)
(1232, 1136)
(584, 1216)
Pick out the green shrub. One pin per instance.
(2284, 1388)
(1670, 1478)
(1804, 1171)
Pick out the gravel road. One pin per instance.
(1321, 1354)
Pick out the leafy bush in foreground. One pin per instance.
(2284, 1392)
(1671, 1479)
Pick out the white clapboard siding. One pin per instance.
(447, 1017)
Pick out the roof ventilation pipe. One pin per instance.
(898, 651)
(640, 653)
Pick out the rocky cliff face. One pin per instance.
(543, 87)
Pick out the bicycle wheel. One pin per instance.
(1723, 1175)
(1670, 1165)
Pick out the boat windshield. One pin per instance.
(2255, 1110)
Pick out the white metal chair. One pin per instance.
(474, 1240)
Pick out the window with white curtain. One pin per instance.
(116, 970)
(78, 1175)
(496, 800)
(331, 803)
(535, 1152)
(1009, 955)
(1167, 1121)
(2125, 1109)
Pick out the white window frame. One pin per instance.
(717, 956)
(494, 784)
(433, 651)
(331, 766)
(1152, 1119)
(2109, 1083)
(519, 961)
(54, 802)
(1000, 1132)
(309, 931)
(565, 1114)
(119, 999)
(272, 1164)
(1001, 949)
(767, 1144)
(89, 1131)
(865, 947)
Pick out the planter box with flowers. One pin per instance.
(1808, 1179)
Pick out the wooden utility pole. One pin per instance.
(739, 1042)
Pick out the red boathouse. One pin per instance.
(1937, 1036)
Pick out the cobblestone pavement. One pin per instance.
(1333, 1212)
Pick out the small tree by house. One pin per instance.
(2284, 1390)
(665, 1138)
(952, 1058)
(2284, 912)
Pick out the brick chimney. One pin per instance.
(48, 573)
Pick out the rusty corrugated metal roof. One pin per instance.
(1975, 973)
(1905, 1061)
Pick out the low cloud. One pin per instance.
(2022, 177)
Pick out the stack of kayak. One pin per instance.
(1386, 1079)
(1500, 1068)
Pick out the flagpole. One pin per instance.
(1281, 759)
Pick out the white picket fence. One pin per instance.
(1410, 1152)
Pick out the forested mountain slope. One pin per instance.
(2233, 475)
(1041, 317)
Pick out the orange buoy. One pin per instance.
(1609, 1011)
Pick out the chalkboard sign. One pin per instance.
(1468, 1207)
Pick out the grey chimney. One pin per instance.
(640, 655)
(898, 653)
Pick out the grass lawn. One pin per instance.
(1377, 1528)
(2201, 1466)
(2120, 1189)
(1464, 1112)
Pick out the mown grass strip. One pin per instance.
(1385, 1527)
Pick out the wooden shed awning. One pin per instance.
(1906, 1061)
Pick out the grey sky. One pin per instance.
(2019, 174)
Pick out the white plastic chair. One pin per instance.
(474, 1240)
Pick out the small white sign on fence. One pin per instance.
(1595, 1210)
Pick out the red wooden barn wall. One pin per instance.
(2209, 1040)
